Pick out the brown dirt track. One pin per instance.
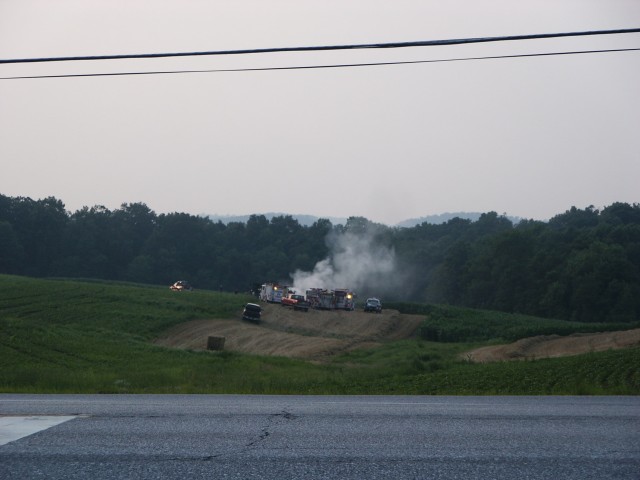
(549, 346)
(317, 335)
(313, 335)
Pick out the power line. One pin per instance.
(424, 43)
(309, 67)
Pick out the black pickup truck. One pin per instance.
(252, 312)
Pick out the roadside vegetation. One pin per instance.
(64, 336)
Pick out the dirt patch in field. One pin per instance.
(312, 335)
(549, 346)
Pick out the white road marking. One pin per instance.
(14, 428)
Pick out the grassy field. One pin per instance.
(445, 323)
(95, 337)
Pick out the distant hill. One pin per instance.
(308, 220)
(438, 219)
(445, 217)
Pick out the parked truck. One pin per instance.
(296, 301)
(344, 299)
(252, 312)
(324, 299)
(273, 292)
(313, 297)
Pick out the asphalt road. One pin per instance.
(320, 437)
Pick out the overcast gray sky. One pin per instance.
(529, 137)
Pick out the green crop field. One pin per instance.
(63, 336)
(445, 323)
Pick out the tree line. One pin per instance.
(582, 265)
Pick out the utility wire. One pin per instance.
(425, 43)
(307, 67)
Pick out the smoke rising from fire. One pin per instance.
(355, 262)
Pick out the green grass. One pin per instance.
(444, 323)
(63, 336)
(606, 373)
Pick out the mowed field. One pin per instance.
(314, 335)
(318, 335)
(553, 346)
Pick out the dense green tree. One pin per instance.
(621, 213)
(583, 264)
(12, 255)
(90, 245)
(180, 246)
(40, 226)
(132, 225)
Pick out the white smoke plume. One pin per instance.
(354, 262)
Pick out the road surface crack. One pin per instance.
(273, 420)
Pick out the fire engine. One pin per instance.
(273, 292)
(313, 297)
(325, 300)
(339, 299)
(343, 299)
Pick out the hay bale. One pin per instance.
(215, 343)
